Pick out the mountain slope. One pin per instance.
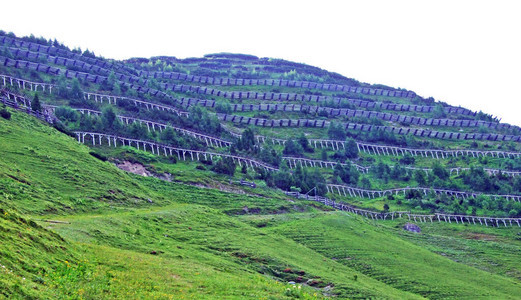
(221, 142)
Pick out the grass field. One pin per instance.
(119, 235)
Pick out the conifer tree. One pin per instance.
(35, 103)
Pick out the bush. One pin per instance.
(98, 156)
(413, 194)
(407, 160)
(292, 148)
(336, 131)
(304, 143)
(225, 165)
(66, 114)
(35, 103)
(61, 128)
(223, 108)
(5, 114)
(351, 150)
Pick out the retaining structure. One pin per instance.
(448, 218)
(160, 149)
(277, 82)
(348, 191)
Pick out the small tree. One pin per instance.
(109, 119)
(439, 112)
(292, 148)
(63, 90)
(168, 135)
(76, 94)
(304, 143)
(225, 165)
(109, 83)
(440, 171)
(336, 131)
(247, 140)
(419, 176)
(351, 150)
(66, 114)
(283, 180)
(223, 107)
(323, 154)
(407, 159)
(35, 103)
(365, 183)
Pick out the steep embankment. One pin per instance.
(182, 240)
(202, 251)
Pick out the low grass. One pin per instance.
(76, 227)
(381, 254)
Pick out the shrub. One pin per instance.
(223, 108)
(225, 165)
(5, 114)
(407, 160)
(35, 103)
(61, 128)
(336, 131)
(66, 114)
(292, 148)
(351, 150)
(98, 156)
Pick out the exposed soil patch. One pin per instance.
(223, 188)
(134, 168)
(140, 169)
(479, 236)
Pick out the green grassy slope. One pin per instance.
(38, 183)
(202, 249)
(377, 252)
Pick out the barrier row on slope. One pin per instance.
(21, 64)
(362, 147)
(51, 50)
(313, 109)
(273, 107)
(264, 96)
(375, 149)
(14, 42)
(160, 149)
(293, 162)
(240, 95)
(277, 82)
(58, 60)
(356, 102)
(404, 119)
(367, 127)
(251, 95)
(168, 150)
(211, 141)
(349, 191)
(447, 218)
(273, 123)
(334, 144)
(284, 107)
(45, 87)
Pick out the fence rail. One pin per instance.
(448, 218)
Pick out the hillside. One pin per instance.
(225, 143)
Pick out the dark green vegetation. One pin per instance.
(73, 225)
